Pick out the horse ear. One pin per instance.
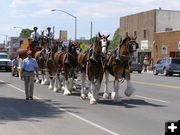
(99, 34)
(107, 36)
(135, 36)
(127, 34)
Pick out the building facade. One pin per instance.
(13, 45)
(167, 44)
(145, 25)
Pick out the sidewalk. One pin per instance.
(148, 71)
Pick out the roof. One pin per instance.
(152, 10)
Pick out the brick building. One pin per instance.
(145, 25)
(167, 44)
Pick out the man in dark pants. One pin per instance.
(29, 65)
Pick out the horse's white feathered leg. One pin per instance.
(114, 94)
(59, 79)
(92, 98)
(43, 80)
(47, 78)
(63, 82)
(129, 90)
(56, 88)
(70, 84)
(97, 88)
(106, 92)
(51, 83)
(66, 90)
(83, 78)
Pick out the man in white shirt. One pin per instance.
(50, 37)
(35, 35)
(49, 34)
(35, 38)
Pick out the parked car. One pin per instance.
(5, 62)
(167, 66)
(136, 67)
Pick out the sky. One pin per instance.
(104, 15)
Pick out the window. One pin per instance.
(176, 61)
(144, 34)
(168, 29)
(3, 56)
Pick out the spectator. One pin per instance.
(29, 65)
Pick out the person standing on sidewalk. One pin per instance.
(29, 65)
(146, 62)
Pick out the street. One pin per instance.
(155, 101)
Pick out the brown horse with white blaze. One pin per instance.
(119, 68)
(41, 58)
(93, 68)
(66, 62)
(51, 65)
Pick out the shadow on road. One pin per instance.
(129, 103)
(12, 109)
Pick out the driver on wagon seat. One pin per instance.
(35, 36)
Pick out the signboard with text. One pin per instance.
(63, 35)
(144, 44)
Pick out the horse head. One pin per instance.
(104, 42)
(74, 48)
(128, 46)
(97, 46)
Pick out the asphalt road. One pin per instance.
(156, 100)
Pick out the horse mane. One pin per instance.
(96, 41)
(125, 40)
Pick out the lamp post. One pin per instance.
(75, 23)
(18, 27)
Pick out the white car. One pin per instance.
(5, 62)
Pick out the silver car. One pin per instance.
(167, 66)
(5, 62)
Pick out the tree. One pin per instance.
(116, 39)
(25, 33)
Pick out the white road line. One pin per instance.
(72, 114)
(151, 99)
(159, 85)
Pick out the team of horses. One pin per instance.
(60, 65)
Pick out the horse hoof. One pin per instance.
(55, 89)
(106, 96)
(74, 87)
(129, 91)
(83, 96)
(67, 93)
(93, 101)
(37, 81)
(63, 88)
(50, 87)
(42, 83)
(114, 96)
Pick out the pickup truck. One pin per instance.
(5, 62)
